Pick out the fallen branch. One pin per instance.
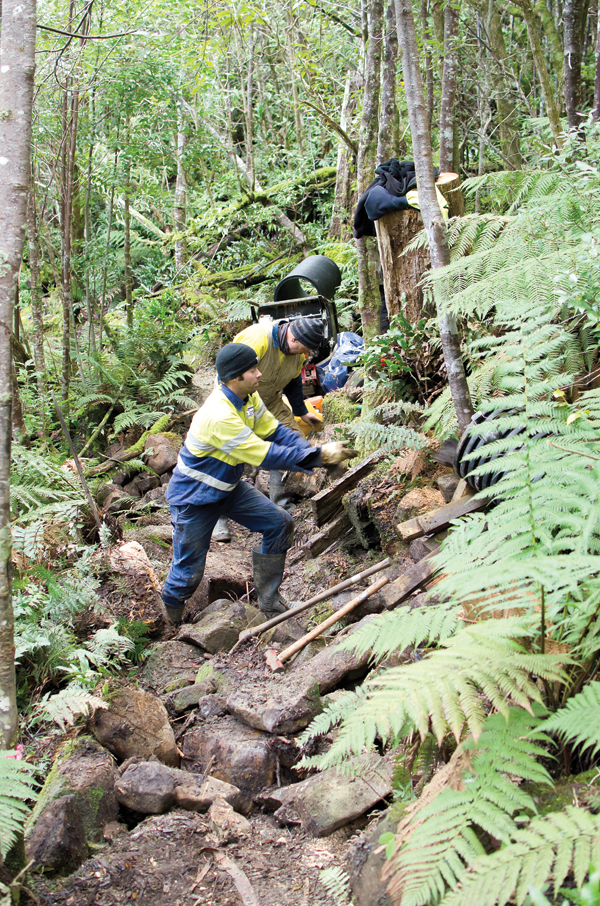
(240, 879)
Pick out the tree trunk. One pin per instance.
(428, 63)
(369, 300)
(37, 308)
(340, 226)
(447, 124)
(430, 209)
(402, 273)
(507, 122)
(180, 188)
(540, 65)
(289, 35)
(17, 65)
(574, 14)
(127, 249)
(597, 72)
(19, 429)
(387, 118)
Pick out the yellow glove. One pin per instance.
(334, 453)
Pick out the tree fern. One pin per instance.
(17, 786)
(476, 792)
(547, 849)
(449, 691)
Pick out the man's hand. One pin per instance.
(312, 421)
(334, 453)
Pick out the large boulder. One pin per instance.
(87, 773)
(220, 629)
(327, 801)
(136, 724)
(171, 665)
(197, 792)
(57, 843)
(333, 664)
(162, 452)
(232, 752)
(130, 561)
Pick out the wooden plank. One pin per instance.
(413, 578)
(460, 491)
(327, 503)
(439, 519)
(320, 542)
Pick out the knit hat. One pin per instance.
(233, 360)
(308, 331)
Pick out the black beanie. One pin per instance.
(233, 360)
(308, 331)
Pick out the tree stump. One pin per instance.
(402, 274)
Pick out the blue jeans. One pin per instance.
(193, 526)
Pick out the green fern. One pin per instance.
(17, 787)
(579, 720)
(336, 883)
(547, 849)
(403, 627)
(449, 691)
(66, 706)
(476, 793)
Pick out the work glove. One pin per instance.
(313, 421)
(334, 453)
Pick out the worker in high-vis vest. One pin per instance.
(282, 347)
(234, 427)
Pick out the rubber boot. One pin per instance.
(277, 493)
(174, 613)
(221, 530)
(268, 573)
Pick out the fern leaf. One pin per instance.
(579, 720)
(66, 706)
(17, 786)
(547, 849)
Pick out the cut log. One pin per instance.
(326, 536)
(403, 273)
(415, 577)
(438, 520)
(328, 503)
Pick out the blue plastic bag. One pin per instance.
(333, 372)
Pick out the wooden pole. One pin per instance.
(321, 596)
(287, 653)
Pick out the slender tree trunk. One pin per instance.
(387, 118)
(597, 72)
(447, 104)
(87, 233)
(369, 301)
(180, 188)
(575, 14)
(17, 65)
(127, 249)
(542, 70)
(246, 95)
(289, 35)
(20, 432)
(345, 193)
(37, 308)
(507, 121)
(430, 209)
(428, 63)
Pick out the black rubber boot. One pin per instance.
(174, 613)
(268, 573)
(277, 493)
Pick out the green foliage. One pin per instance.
(66, 706)
(41, 487)
(547, 848)
(589, 895)
(470, 797)
(336, 883)
(17, 787)
(579, 720)
(450, 690)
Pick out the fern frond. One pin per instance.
(17, 786)
(440, 833)
(448, 691)
(66, 706)
(579, 720)
(547, 849)
(403, 627)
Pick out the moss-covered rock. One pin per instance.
(338, 409)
